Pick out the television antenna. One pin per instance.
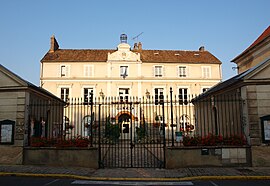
(137, 36)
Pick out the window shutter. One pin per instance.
(86, 69)
(163, 73)
(91, 70)
(58, 71)
(67, 70)
(187, 71)
(177, 71)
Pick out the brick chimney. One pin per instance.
(201, 49)
(135, 46)
(54, 45)
(139, 46)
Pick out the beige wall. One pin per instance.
(253, 57)
(107, 78)
(105, 75)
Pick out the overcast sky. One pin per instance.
(225, 28)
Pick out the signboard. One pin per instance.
(7, 132)
(265, 123)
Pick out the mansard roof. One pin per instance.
(155, 56)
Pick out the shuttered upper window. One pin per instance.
(182, 71)
(88, 70)
(64, 70)
(158, 71)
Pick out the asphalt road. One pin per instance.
(36, 181)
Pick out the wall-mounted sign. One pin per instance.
(265, 123)
(7, 132)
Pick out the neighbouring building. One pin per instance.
(257, 52)
(249, 100)
(18, 121)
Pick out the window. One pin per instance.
(158, 71)
(182, 71)
(204, 89)
(159, 96)
(87, 92)
(65, 94)
(124, 71)
(64, 71)
(123, 94)
(206, 72)
(88, 70)
(183, 96)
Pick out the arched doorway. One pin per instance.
(124, 121)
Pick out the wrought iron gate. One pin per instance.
(127, 138)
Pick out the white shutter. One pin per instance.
(163, 71)
(85, 69)
(58, 73)
(91, 70)
(177, 71)
(67, 70)
(187, 71)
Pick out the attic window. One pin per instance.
(156, 53)
(196, 54)
(177, 54)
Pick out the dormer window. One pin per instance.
(124, 71)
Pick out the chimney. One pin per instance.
(201, 49)
(54, 44)
(135, 46)
(139, 46)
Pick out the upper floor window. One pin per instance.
(123, 94)
(183, 96)
(64, 70)
(206, 72)
(124, 71)
(158, 71)
(182, 71)
(87, 93)
(159, 96)
(88, 70)
(65, 94)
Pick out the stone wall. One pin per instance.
(260, 156)
(11, 155)
(258, 105)
(65, 157)
(212, 156)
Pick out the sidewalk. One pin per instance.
(138, 173)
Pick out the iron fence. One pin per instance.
(148, 120)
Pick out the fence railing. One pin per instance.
(81, 123)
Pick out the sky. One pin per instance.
(224, 27)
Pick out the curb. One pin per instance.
(191, 178)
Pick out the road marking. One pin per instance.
(51, 182)
(213, 183)
(85, 182)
